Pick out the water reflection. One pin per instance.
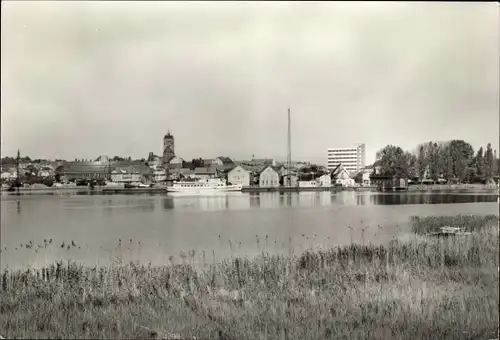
(397, 199)
(168, 203)
(206, 203)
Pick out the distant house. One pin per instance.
(154, 161)
(159, 174)
(289, 180)
(339, 173)
(224, 163)
(263, 162)
(223, 160)
(269, 178)
(46, 172)
(340, 176)
(239, 175)
(9, 173)
(206, 172)
(85, 170)
(324, 181)
(175, 163)
(389, 182)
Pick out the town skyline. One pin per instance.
(221, 78)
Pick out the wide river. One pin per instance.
(38, 229)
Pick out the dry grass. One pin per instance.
(418, 289)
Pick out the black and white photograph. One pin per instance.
(233, 170)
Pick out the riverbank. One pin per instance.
(257, 189)
(462, 188)
(429, 288)
(476, 188)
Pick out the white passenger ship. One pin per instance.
(204, 186)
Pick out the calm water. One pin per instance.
(220, 225)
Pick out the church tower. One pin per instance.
(168, 148)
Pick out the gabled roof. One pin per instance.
(225, 160)
(237, 166)
(83, 168)
(225, 167)
(255, 169)
(337, 170)
(266, 167)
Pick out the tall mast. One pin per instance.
(289, 150)
(18, 159)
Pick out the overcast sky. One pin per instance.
(81, 79)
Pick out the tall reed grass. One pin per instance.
(415, 289)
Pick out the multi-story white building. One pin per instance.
(352, 159)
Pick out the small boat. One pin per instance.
(450, 231)
(204, 186)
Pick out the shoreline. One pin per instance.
(463, 188)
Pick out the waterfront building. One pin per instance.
(101, 168)
(159, 174)
(289, 179)
(9, 173)
(324, 180)
(98, 169)
(269, 178)
(339, 172)
(239, 175)
(168, 148)
(339, 175)
(389, 182)
(132, 173)
(155, 162)
(353, 158)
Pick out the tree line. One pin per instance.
(453, 161)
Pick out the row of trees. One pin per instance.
(453, 160)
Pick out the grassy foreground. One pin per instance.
(417, 289)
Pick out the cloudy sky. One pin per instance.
(81, 79)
